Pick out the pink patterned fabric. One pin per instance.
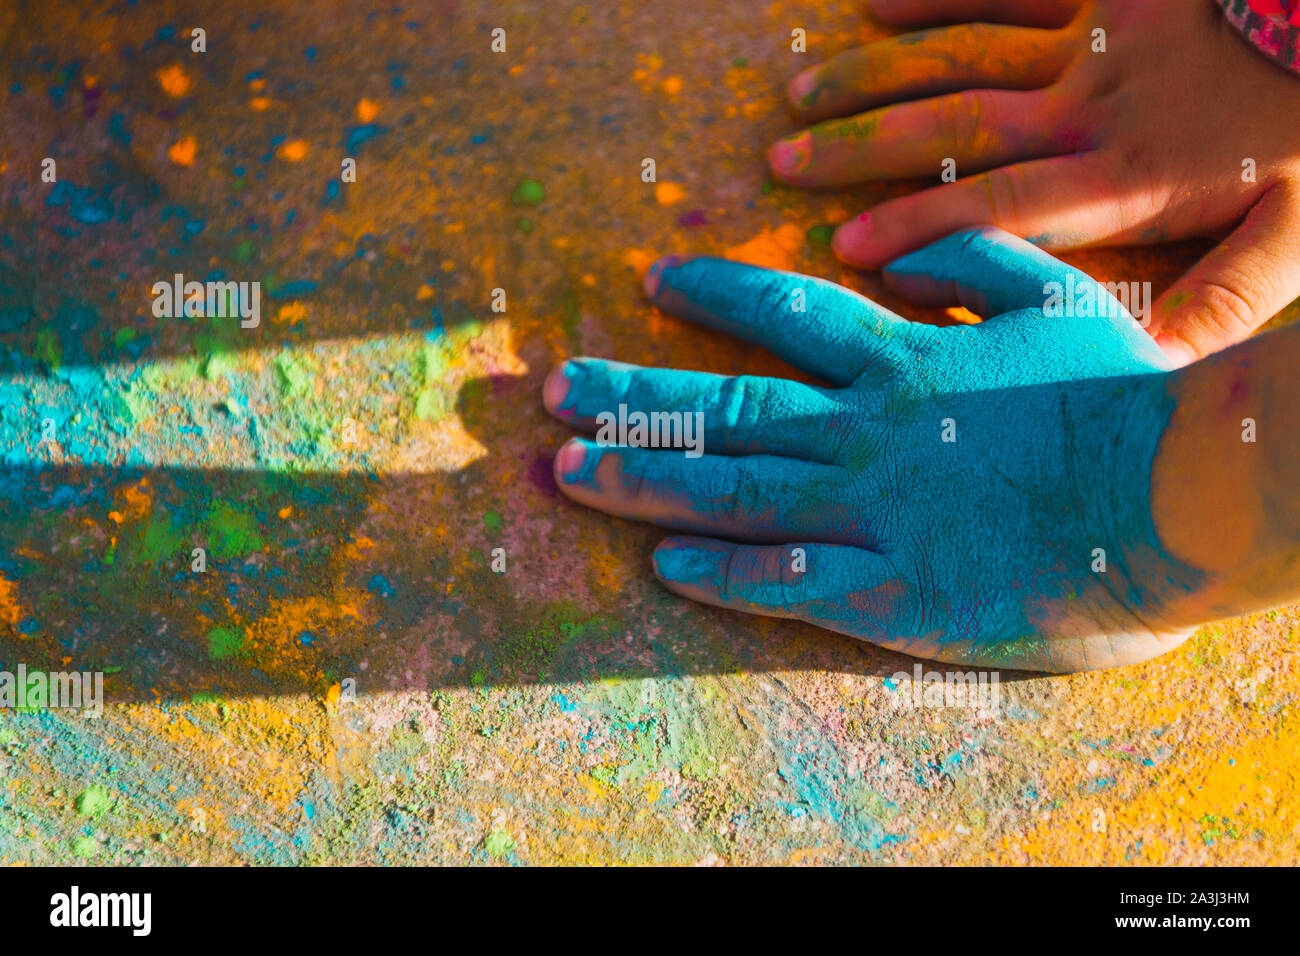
(1272, 26)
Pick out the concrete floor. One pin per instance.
(348, 680)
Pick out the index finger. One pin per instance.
(818, 326)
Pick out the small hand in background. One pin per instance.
(975, 494)
(1178, 129)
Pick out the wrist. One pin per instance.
(1126, 419)
(1221, 500)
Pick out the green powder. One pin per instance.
(529, 192)
(820, 236)
(131, 406)
(432, 363)
(231, 533)
(49, 350)
(498, 843)
(225, 643)
(216, 364)
(431, 405)
(291, 377)
(161, 539)
(93, 801)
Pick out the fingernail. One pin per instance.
(789, 156)
(568, 463)
(675, 562)
(802, 90)
(557, 387)
(851, 236)
(1179, 352)
(654, 278)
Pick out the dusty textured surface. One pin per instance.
(568, 710)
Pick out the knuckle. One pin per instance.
(1140, 189)
(774, 569)
(977, 116)
(1229, 302)
(1004, 191)
(740, 400)
(797, 587)
(964, 117)
(749, 569)
(626, 386)
(731, 579)
(746, 496)
(772, 295)
(842, 434)
(634, 465)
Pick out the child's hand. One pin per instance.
(1178, 129)
(973, 494)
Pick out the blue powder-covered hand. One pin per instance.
(976, 494)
